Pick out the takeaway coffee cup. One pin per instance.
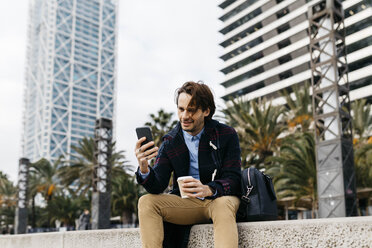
(180, 181)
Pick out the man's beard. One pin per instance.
(188, 128)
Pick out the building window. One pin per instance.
(242, 63)
(243, 77)
(285, 74)
(284, 43)
(241, 21)
(245, 91)
(282, 13)
(361, 83)
(226, 3)
(359, 45)
(283, 28)
(285, 59)
(241, 35)
(358, 26)
(237, 10)
(360, 63)
(243, 48)
(356, 8)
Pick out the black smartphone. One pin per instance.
(144, 132)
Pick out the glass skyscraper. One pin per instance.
(266, 47)
(70, 74)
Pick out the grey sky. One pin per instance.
(161, 44)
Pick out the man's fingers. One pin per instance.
(147, 157)
(193, 190)
(142, 149)
(188, 180)
(147, 145)
(149, 153)
(191, 184)
(152, 156)
(189, 190)
(191, 195)
(139, 142)
(195, 195)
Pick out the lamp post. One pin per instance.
(21, 214)
(101, 197)
(331, 110)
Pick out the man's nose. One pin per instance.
(185, 114)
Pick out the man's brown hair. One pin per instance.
(201, 96)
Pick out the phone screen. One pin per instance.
(144, 132)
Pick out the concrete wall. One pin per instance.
(337, 232)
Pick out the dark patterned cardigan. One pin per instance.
(173, 156)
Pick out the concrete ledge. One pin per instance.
(336, 232)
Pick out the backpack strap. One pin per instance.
(247, 187)
(269, 186)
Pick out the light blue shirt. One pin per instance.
(192, 143)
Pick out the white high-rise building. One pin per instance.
(70, 74)
(266, 46)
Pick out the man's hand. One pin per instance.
(194, 188)
(143, 155)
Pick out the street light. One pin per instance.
(21, 214)
(331, 110)
(101, 197)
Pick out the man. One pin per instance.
(190, 150)
(84, 220)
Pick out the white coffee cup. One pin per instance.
(180, 181)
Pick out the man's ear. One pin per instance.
(206, 112)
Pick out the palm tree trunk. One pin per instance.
(33, 222)
(314, 205)
(127, 217)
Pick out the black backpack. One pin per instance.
(258, 201)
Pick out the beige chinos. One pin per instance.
(153, 209)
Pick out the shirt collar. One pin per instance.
(190, 137)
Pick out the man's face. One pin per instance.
(191, 119)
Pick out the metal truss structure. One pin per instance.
(21, 214)
(101, 197)
(70, 74)
(331, 110)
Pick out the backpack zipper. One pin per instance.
(249, 189)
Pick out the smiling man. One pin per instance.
(199, 147)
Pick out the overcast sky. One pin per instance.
(161, 44)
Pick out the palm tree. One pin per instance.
(67, 207)
(125, 195)
(32, 191)
(299, 115)
(258, 125)
(294, 169)
(363, 165)
(161, 124)
(79, 172)
(7, 192)
(362, 130)
(44, 179)
(8, 200)
(3, 179)
(362, 120)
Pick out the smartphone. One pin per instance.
(144, 132)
